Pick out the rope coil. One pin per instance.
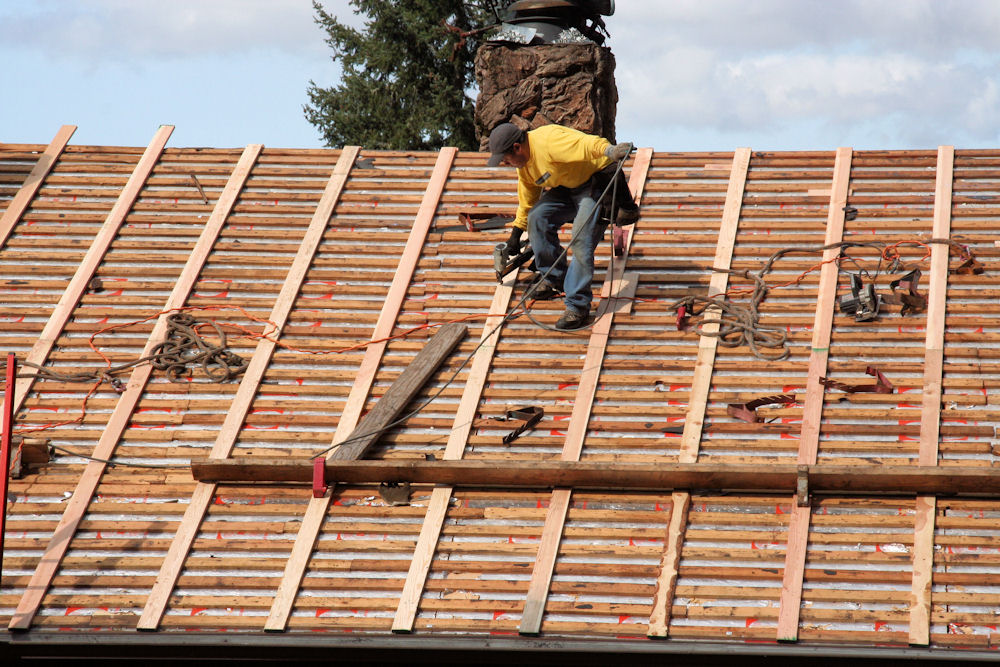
(184, 346)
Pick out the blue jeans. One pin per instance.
(556, 207)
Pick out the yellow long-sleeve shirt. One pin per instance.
(569, 156)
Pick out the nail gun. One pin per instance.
(504, 263)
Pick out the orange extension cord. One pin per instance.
(268, 333)
(888, 253)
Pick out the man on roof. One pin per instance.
(561, 174)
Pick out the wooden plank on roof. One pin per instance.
(46, 161)
(670, 564)
(652, 475)
(305, 540)
(400, 393)
(77, 505)
(88, 266)
(701, 382)
(437, 507)
(930, 412)
(202, 496)
(620, 287)
(812, 413)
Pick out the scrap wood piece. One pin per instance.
(812, 413)
(924, 518)
(41, 579)
(619, 288)
(930, 413)
(315, 514)
(694, 420)
(882, 386)
(437, 507)
(670, 564)
(201, 498)
(405, 387)
(46, 161)
(748, 411)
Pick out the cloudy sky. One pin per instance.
(692, 74)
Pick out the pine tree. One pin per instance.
(405, 76)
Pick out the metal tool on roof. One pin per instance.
(863, 302)
(970, 266)
(905, 294)
(882, 386)
(504, 263)
(682, 318)
(477, 222)
(748, 411)
(524, 419)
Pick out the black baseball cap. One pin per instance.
(502, 139)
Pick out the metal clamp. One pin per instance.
(748, 411)
(904, 293)
(882, 386)
(319, 477)
(802, 487)
(527, 416)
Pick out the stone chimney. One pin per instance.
(534, 85)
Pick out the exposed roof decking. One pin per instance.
(858, 551)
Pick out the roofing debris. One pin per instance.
(330, 279)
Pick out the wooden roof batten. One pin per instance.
(355, 251)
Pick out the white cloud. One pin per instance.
(117, 30)
(912, 73)
(697, 74)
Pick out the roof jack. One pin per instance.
(520, 419)
(748, 411)
(905, 294)
(882, 386)
(524, 419)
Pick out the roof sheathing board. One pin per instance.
(605, 573)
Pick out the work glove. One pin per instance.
(514, 242)
(618, 151)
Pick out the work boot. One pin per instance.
(572, 319)
(545, 291)
(627, 216)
